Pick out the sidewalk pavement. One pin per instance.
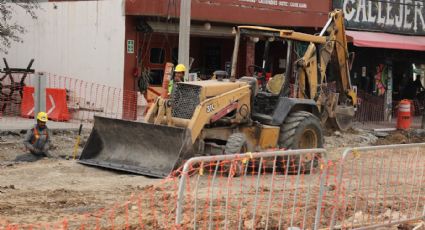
(18, 123)
(370, 125)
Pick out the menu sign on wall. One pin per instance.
(393, 16)
(270, 4)
(277, 3)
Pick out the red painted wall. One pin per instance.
(130, 95)
(310, 13)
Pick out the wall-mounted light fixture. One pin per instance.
(254, 39)
(207, 25)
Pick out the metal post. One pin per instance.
(423, 119)
(389, 95)
(184, 34)
(181, 190)
(235, 56)
(39, 94)
(286, 88)
(328, 23)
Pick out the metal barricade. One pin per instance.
(380, 186)
(365, 188)
(267, 190)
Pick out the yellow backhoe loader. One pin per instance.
(238, 114)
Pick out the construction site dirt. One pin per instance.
(51, 189)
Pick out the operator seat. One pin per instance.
(274, 85)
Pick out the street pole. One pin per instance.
(39, 94)
(184, 34)
(423, 119)
(389, 94)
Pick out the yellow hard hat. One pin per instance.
(180, 68)
(42, 116)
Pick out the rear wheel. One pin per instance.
(236, 143)
(302, 130)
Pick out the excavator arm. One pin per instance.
(331, 41)
(330, 44)
(336, 45)
(339, 107)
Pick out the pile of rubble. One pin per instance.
(360, 137)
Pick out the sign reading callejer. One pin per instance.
(393, 16)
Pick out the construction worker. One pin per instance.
(178, 77)
(37, 139)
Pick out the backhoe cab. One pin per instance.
(239, 114)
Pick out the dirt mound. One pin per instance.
(402, 137)
(393, 138)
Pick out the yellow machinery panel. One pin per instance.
(268, 137)
(262, 137)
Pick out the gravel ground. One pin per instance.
(54, 188)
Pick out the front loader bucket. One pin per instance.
(142, 148)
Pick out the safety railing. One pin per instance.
(365, 188)
(380, 186)
(268, 190)
(83, 99)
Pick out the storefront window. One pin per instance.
(212, 59)
(157, 56)
(175, 55)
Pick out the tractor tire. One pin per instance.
(301, 130)
(236, 143)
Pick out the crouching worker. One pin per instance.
(37, 139)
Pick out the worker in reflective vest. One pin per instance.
(37, 139)
(178, 77)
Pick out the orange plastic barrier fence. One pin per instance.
(56, 106)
